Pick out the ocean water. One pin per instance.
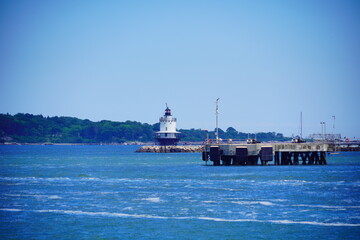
(110, 192)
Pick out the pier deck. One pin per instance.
(263, 153)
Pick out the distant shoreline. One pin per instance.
(95, 144)
(69, 144)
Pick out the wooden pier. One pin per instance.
(264, 153)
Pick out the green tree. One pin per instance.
(36, 128)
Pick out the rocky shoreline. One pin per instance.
(171, 149)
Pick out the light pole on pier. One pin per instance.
(333, 124)
(322, 129)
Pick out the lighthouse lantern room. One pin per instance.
(167, 134)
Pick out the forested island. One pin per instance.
(29, 128)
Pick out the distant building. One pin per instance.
(325, 137)
(167, 134)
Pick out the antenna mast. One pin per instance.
(217, 120)
(301, 125)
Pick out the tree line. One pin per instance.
(28, 128)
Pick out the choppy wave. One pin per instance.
(266, 203)
(214, 185)
(126, 215)
(324, 206)
(31, 195)
(152, 199)
(91, 179)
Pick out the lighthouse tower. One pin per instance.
(167, 134)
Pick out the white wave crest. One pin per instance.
(327, 224)
(11, 210)
(54, 197)
(266, 203)
(325, 206)
(124, 215)
(105, 214)
(153, 199)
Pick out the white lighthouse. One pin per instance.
(167, 134)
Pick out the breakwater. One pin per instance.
(171, 149)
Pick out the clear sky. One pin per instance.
(266, 60)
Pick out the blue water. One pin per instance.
(110, 192)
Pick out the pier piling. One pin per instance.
(241, 156)
(215, 155)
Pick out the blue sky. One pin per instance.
(267, 61)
